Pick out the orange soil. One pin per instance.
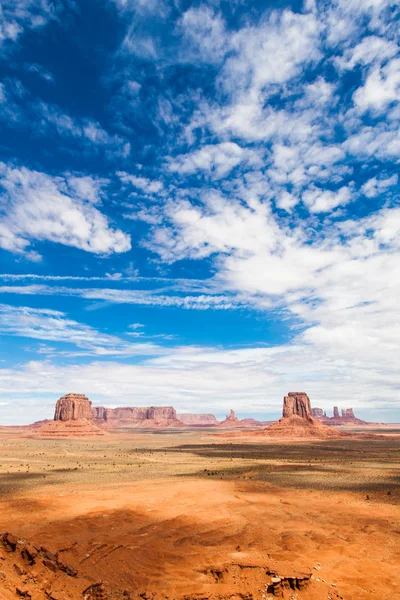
(190, 538)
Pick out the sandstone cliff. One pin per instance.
(72, 418)
(297, 420)
(198, 420)
(346, 418)
(73, 406)
(152, 417)
(297, 403)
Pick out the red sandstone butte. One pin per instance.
(297, 421)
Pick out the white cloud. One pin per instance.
(142, 183)
(373, 187)
(201, 301)
(320, 201)
(371, 50)
(39, 207)
(381, 88)
(216, 159)
(204, 35)
(52, 325)
(17, 16)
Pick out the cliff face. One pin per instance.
(297, 403)
(201, 419)
(346, 418)
(72, 407)
(297, 420)
(136, 416)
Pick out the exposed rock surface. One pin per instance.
(33, 571)
(198, 420)
(72, 418)
(297, 403)
(152, 417)
(75, 428)
(318, 413)
(72, 407)
(346, 418)
(297, 420)
(232, 422)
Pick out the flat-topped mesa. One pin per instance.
(198, 420)
(72, 407)
(136, 416)
(297, 403)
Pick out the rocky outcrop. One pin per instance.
(318, 413)
(72, 419)
(297, 403)
(232, 422)
(30, 570)
(75, 428)
(152, 417)
(72, 407)
(346, 418)
(199, 420)
(298, 422)
(347, 413)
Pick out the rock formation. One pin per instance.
(72, 418)
(32, 571)
(151, 417)
(297, 420)
(346, 418)
(198, 420)
(232, 422)
(347, 413)
(297, 403)
(72, 407)
(318, 413)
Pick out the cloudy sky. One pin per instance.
(199, 204)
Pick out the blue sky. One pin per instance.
(199, 205)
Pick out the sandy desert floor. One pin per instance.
(190, 515)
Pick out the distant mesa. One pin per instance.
(72, 419)
(346, 418)
(297, 420)
(147, 417)
(198, 420)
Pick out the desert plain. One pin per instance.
(196, 514)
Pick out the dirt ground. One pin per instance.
(190, 515)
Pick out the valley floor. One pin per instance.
(191, 515)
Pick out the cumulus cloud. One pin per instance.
(142, 183)
(39, 207)
(217, 160)
(381, 88)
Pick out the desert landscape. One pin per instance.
(295, 510)
(199, 300)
